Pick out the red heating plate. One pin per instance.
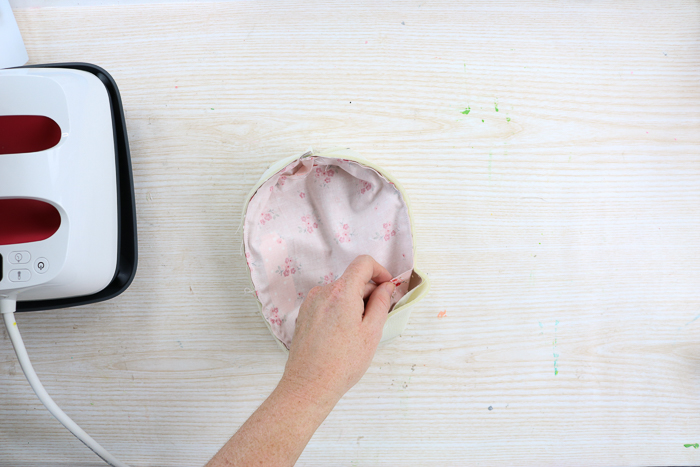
(27, 133)
(27, 220)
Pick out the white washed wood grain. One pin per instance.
(578, 202)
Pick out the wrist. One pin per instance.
(308, 392)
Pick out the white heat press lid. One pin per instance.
(74, 177)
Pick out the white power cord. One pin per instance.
(7, 309)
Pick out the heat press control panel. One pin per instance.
(22, 266)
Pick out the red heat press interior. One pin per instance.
(21, 134)
(27, 220)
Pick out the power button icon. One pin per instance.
(41, 265)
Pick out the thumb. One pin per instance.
(377, 309)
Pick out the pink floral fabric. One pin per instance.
(306, 224)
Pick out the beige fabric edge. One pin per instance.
(398, 317)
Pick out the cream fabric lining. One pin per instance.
(307, 222)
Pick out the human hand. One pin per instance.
(336, 334)
(334, 341)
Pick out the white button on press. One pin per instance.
(41, 265)
(19, 257)
(20, 275)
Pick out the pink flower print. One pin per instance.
(327, 279)
(366, 187)
(282, 179)
(290, 267)
(309, 224)
(268, 216)
(324, 174)
(274, 317)
(387, 234)
(343, 233)
(302, 195)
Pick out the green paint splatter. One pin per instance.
(495, 104)
(696, 445)
(212, 108)
(507, 119)
(556, 372)
(482, 120)
(467, 110)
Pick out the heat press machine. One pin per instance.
(67, 212)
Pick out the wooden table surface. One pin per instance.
(559, 220)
